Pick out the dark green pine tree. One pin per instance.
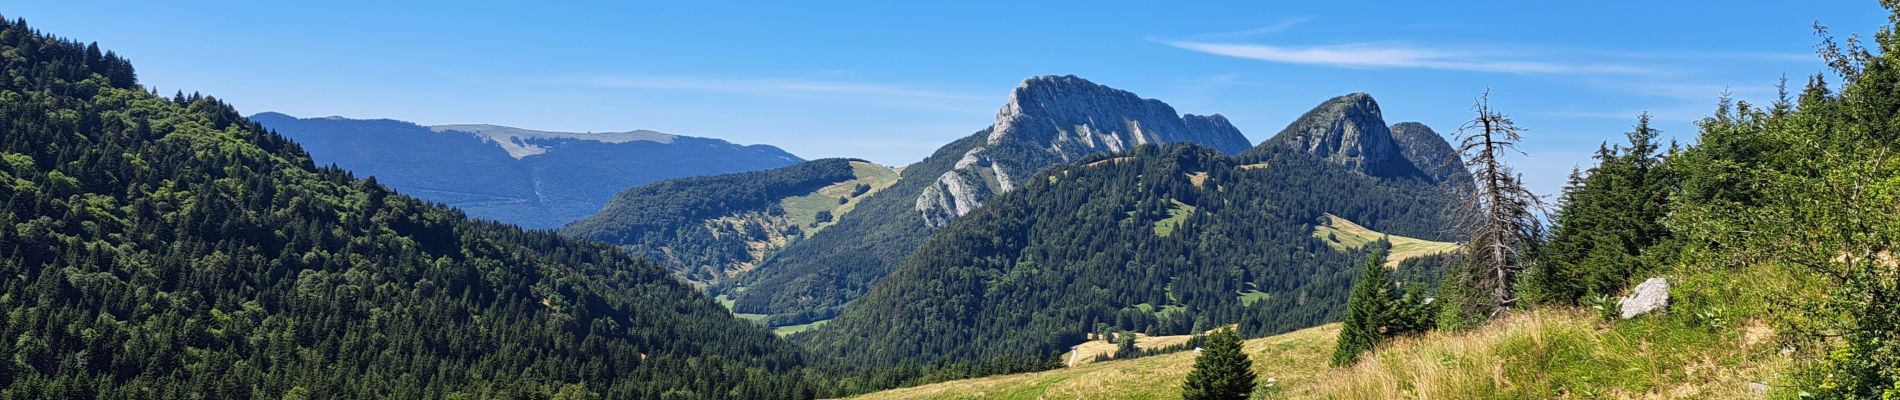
(1367, 311)
(1222, 371)
(1610, 215)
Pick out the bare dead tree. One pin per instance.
(1501, 217)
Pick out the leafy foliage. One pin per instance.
(170, 248)
(1813, 186)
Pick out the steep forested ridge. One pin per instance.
(529, 178)
(170, 248)
(1163, 240)
(814, 277)
(707, 228)
(1047, 121)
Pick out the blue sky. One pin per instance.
(891, 81)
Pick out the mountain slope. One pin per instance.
(714, 227)
(1048, 121)
(170, 248)
(1540, 354)
(1349, 130)
(534, 179)
(1076, 249)
(1431, 154)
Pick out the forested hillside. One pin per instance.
(1047, 121)
(1163, 240)
(170, 248)
(706, 229)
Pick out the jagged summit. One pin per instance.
(1349, 130)
(1053, 120)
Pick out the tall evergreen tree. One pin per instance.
(1368, 311)
(1222, 371)
(1608, 217)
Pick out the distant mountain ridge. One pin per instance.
(519, 144)
(1047, 121)
(535, 179)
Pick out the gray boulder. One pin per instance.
(1650, 296)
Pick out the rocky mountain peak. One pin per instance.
(1054, 120)
(1429, 151)
(1349, 130)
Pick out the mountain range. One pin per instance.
(534, 179)
(1046, 121)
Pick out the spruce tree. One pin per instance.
(1222, 371)
(1367, 311)
(1609, 216)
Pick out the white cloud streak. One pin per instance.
(1277, 27)
(1375, 56)
(768, 87)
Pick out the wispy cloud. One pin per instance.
(765, 86)
(886, 95)
(1378, 55)
(1276, 27)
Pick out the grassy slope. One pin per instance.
(1085, 353)
(1295, 358)
(1177, 215)
(803, 210)
(1343, 234)
(1539, 354)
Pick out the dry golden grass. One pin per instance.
(1538, 354)
(1199, 179)
(1344, 234)
(1562, 353)
(1294, 358)
(1085, 353)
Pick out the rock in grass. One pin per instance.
(1650, 296)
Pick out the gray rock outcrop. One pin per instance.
(1054, 120)
(1650, 296)
(1431, 154)
(1349, 130)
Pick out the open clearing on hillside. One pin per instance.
(1546, 353)
(1085, 353)
(803, 210)
(1176, 216)
(1342, 235)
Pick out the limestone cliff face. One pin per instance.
(1054, 120)
(1349, 130)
